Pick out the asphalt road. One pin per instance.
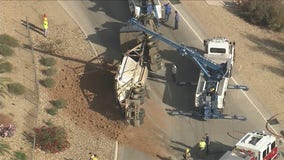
(101, 21)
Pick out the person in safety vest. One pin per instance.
(93, 157)
(187, 155)
(45, 24)
(202, 147)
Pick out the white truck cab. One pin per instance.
(137, 7)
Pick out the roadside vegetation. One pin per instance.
(47, 82)
(47, 61)
(5, 50)
(16, 88)
(49, 72)
(51, 139)
(18, 155)
(5, 66)
(4, 148)
(266, 13)
(56, 105)
(8, 40)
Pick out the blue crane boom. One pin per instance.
(211, 70)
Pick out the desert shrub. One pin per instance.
(49, 71)
(47, 82)
(5, 67)
(59, 103)
(48, 123)
(16, 88)
(18, 155)
(3, 90)
(4, 148)
(47, 61)
(268, 13)
(52, 111)
(50, 45)
(5, 50)
(8, 40)
(51, 139)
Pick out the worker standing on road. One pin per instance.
(207, 141)
(176, 20)
(187, 155)
(174, 72)
(45, 24)
(93, 157)
(202, 147)
(167, 11)
(149, 7)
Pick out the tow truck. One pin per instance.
(254, 146)
(213, 80)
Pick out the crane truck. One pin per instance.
(216, 68)
(254, 146)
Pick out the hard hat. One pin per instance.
(44, 15)
(187, 150)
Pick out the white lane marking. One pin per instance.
(81, 28)
(249, 99)
(187, 23)
(115, 151)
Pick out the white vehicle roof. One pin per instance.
(218, 58)
(256, 141)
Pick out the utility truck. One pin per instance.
(254, 146)
(212, 93)
(216, 68)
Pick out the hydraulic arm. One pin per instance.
(211, 70)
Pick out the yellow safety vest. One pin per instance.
(202, 145)
(45, 24)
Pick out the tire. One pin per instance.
(138, 90)
(142, 113)
(142, 100)
(136, 96)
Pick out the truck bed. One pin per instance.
(130, 73)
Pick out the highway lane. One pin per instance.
(101, 21)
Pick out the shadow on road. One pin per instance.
(116, 9)
(216, 150)
(32, 27)
(97, 85)
(108, 36)
(179, 97)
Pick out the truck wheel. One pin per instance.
(139, 91)
(142, 113)
(141, 121)
(136, 96)
(142, 100)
